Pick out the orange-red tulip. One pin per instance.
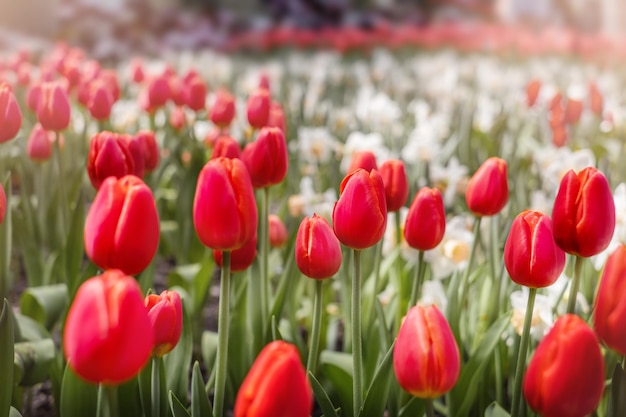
(396, 183)
(122, 225)
(10, 113)
(53, 106)
(166, 316)
(318, 251)
(532, 91)
(276, 385)
(107, 336)
(488, 190)
(426, 358)
(266, 158)
(610, 304)
(360, 214)
(531, 256)
(425, 222)
(224, 207)
(108, 156)
(583, 215)
(565, 376)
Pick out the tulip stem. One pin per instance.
(264, 239)
(155, 397)
(311, 363)
(465, 281)
(107, 401)
(61, 182)
(420, 270)
(222, 337)
(357, 359)
(521, 357)
(573, 292)
(430, 408)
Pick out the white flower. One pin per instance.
(309, 202)
(619, 235)
(316, 145)
(448, 178)
(454, 250)
(542, 318)
(358, 141)
(434, 293)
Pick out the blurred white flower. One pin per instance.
(542, 318)
(309, 202)
(553, 163)
(376, 109)
(448, 178)
(359, 141)
(316, 145)
(434, 293)
(619, 235)
(454, 250)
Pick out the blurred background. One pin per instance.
(118, 28)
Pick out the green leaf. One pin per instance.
(78, 397)
(200, 406)
(322, 398)
(178, 409)
(32, 361)
(378, 391)
(337, 368)
(415, 407)
(14, 413)
(6, 358)
(74, 247)
(617, 401)
(46, 304)
(29, 329)
(6, 280)
(177, 362)
(494, 410)
(464, 393)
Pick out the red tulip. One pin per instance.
(583, 215)
(53, 107)
(573, 110)
(610, 304)
(122, 225)
(277, 231)
(156, 94)
(318, 251)
(166, 316)
(223, 109)
(137, 73)
(108, 156)
(596, 101)
(226, 146)
(363, 159)
(532, 92)
(258, 108)
(150, 149)
(177, 118)
(276, 385)
(10, 113)
(396, 184)
(425, 222)
(136, 149)
(107, 337)
(531, 256)
(488, 190)
(39, 145)
(224, 207)
(565, 376)
(195, 90)
(360, 215)
(266, 158)
(277, 117)
(3, 204)
(240, 259)
(100, 100)
(426, 358)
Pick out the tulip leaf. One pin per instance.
(74, 247)
(464, 393)
(6, 280)
(29, 329)
(6, 358)
(32, 361)
(495, 410)
(378, 391)
(617, 401)
(208, 346)
(45, 304)
(337, 368)
(415, 407)
(179, 359)
(322, 398)
(14, 412)
(178, 409)
(200, 405)
(78, 397)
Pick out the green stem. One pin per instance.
(311, 363)
(573, 292)
(357, 359)
(465, 280)
(420, 270)
(521, 357)
(430, 408)
(155, 396)
(61, 182)
(222, 337)
(264, 245)
(493, 255)
(107, 401)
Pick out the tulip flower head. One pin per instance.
(53, 106)
(39, 145)
(396, 183)
(122, 225)
(277, 231)
(488, 190)
(318, 251)
(222, 111)
(426, 358)
(150, 149)
(531, 256)
(276, 385)
(565, 376)
(583, 215)
(360, 214)
(166, 316)
(266, 158)
(224, 207)
(610, 305)
(258, 108)
(3, 204)
(240, 259)
(425, 223)
(108, 156)
(107, 336)
(10, 113)
(226, 146)
(363, 159)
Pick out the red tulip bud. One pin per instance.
(240, 259)
(396, 184)
(277, 231)
(150, 149)
(122, 225)
(226, 146)
(532, 92)
(195, 90)
(10, 113)
(53, 107)
(266, 158)
(107, 337)
(166, 316)
(488, 190)
(258, 108)
(425, 222)
(318, 252)
(108, 156)
(223, 109)
(363, 159)
(39, 145)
